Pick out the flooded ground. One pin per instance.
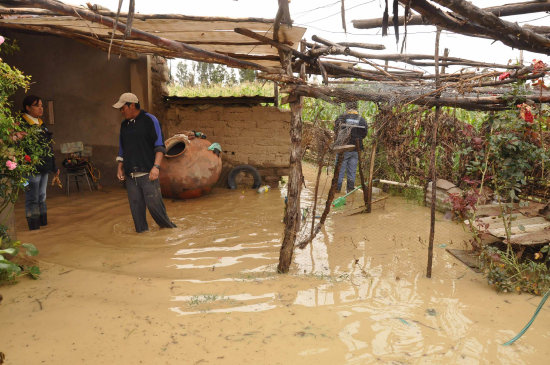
(207, 292)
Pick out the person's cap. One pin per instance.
(125, 98)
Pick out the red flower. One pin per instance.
(525, 113)
(504, 76)
(528, 116)
(27, 158)
(538, 66)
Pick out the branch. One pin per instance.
(526, 40)
(504, 10)
(465, 102)
(498, 26)
(181, 49)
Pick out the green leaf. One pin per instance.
(10, 251)
(31, 249)
(9, 266)
(34, 272)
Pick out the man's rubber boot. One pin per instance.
(44, 219)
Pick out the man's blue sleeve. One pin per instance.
(159, 141)
(120, 156)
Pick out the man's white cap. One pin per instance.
(125, 98)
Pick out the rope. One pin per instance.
(530, 322)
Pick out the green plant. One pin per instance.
(11, 264)
(507, 274)
(20, 151)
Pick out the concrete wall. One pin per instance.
(255, 135)
(83, 84)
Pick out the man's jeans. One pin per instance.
(35, 195)
(142, 193)
(349, 168)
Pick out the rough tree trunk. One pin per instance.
(292, 214)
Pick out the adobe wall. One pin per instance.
(82, 84)
(254, 135)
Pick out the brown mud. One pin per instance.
(207, 292)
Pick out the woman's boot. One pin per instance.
(44, 219)
(33, 222)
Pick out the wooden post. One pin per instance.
(433, 161)
(371, 172)
(444, 63)
(361, 175)
(292, 224)
(295, 178)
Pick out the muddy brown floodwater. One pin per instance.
(207, 292)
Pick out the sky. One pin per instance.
(322, 18)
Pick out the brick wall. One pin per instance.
(254, 135)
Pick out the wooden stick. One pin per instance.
(319, 170)
(465, 102)
(433, 161)
(371, 173)
(481, 24)
(503, 10)
(328, 203)
(183, 50)
(361, 176)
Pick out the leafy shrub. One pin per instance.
(20, 151)
(12, 264)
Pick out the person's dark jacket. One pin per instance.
(353, 124)
(140, 139)
(48, 160)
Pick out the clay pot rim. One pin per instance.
(172, 141)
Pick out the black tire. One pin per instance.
(244, 168)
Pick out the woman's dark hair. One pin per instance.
(30, 100)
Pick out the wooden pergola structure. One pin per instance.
(279, 58)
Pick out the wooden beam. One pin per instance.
(482, 23)
(502, 28)
(181, 49)
(465, 102)
(504, 10)
(108, 13)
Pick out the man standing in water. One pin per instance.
(141, 148)
(349, 128)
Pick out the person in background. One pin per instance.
(141, 148)
(349, 128)
(35, 193)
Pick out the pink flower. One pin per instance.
(504, 76)
(10, 164)
(2, 39)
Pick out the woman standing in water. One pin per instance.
(35, 193)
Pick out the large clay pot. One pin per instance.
(188, 169)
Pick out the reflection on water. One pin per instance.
(363, 273)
